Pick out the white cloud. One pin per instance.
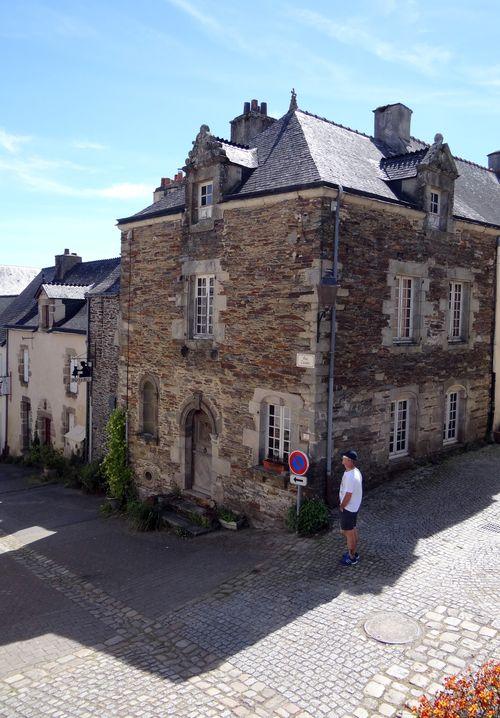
(421, 57)
(197, 15)
(88, 145)
(11, 142)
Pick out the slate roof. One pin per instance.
(23, 311)
(403, 166)
(14, 279)
(66, 291)
(301, 149)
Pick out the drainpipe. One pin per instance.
(130, 235)
(88, 417)
(331, 368)
(494, 418)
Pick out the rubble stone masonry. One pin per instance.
(267, 257)
(103, 345)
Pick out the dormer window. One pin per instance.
(205, 200)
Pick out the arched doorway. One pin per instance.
(201, 453)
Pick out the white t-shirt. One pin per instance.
(352, 482)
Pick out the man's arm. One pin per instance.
(345, 500)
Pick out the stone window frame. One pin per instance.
(182, 328)
(465, 317)
(206, 316)
(256, 439)
(67, 411)
(454, 387)
(26, 437)
(418, 272)
(437, 220)
(204, 210)
(147, 436)
(410, 394)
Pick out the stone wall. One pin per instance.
(372, 371)
(267, 258)
(104, 350)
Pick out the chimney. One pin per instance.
(65, 262)
(392, 126)
(494, 162)
(252, 122)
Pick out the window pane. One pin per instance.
(450, 429)
(455, 305)
(398, 437)
(278, 432)
(204, 306)
(405, 307)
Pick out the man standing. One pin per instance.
(350, 495)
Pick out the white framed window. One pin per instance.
(455, 307)
(203, 315)
(73, 384)
(450, 426)
(278, 432)
(405, 308)
(435, 201)
(205, 200)
(26, 366)
(399, 428)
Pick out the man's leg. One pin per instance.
(352, 541)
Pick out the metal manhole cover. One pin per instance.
(392, 627)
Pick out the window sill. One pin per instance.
(450, 442)
(459, 341)
(396, 457)
(404, 342)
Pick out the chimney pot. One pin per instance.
(392, 126)
(66, 251)
(255, 106)
(246, 108)
(263, 108)
(494, 161)
(64, 263)
(165, 181)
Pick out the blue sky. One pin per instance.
(100, 99)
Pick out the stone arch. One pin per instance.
(199, 428)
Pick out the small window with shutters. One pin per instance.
(149, 409)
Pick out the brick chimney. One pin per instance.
(392, 126)
(252, 122)
(494, 162)
(166, 183)
(65, 262)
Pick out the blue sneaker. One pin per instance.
(346, 553)
(348, 561)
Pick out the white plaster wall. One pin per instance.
(3, 400)
(48, 359)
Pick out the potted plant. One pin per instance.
(274, 463)
(229, 519)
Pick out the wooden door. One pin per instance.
(202, 454)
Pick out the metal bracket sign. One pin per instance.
(298, 480)
(298, 463)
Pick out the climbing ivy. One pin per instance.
(114, 466)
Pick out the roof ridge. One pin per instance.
(336, 124)
(233, 144)
(65, 284)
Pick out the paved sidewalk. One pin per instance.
(275, 631)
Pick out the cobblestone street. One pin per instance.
(273, 628)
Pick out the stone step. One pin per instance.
(181, 523)
(192, 511)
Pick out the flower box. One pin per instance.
(276, 466)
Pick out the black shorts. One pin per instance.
(348, 520)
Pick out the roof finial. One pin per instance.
(293, 101)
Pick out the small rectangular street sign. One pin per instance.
(306, 361)
(298, 480)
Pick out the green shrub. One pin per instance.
(226, 514)
(117, 474)
(106, 509)
(91, 478)
(143, 517)
(313, 517)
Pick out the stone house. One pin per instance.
(46, 341)
(12, 282)
(227, 355)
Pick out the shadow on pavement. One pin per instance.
(144, 587)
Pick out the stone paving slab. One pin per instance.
(286, 637)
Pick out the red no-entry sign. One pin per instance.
(298, 462)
